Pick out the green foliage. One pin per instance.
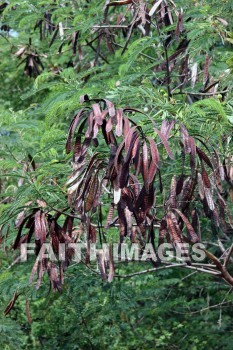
(169, 310)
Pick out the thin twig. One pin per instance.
(118, 225)
(184, 265)
(14, 262)
(228, 256)
(130, 31)
(140, 53)
(166, 57)
(201, 93)
(92, 47)
(204, 309)
(110, 26)
(12, 45)
(150, 270)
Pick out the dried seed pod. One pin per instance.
(185, 139)
(193, 234)
(165, 143)
(173, 228)
(145, 166)
(203, 156)
(154, 164)
(172, 197)
(205, 178)
(110, 216)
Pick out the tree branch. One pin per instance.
(228, 256)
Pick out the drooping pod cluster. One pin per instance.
(118, 167)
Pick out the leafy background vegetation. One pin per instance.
(172, 309)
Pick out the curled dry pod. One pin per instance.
(20, 52)
(68, 225)
(110, 107)
(172, 198)
(193, 234)
(209, 198)
(206, 69)
(92, 234)
(118, 156)
(28, 311)
(166, 127)
(127, 196)
(205, 178)
(135, 185)
(111, 264)
(179, 185)
(154, 7)
(200, 186)
(136, 155)
(104, 132)
(110, 216)
(136, 148)
(203, 156)
(73, 125)
(221, 168)
(160, 182)
(119, 116)
(40, 274)
(165, 143)
(195, 220)
(145, 207)
(176, 235)
(116, 195)
(122, 219)
(154, 164)
(133, 236)
(151, 196)
(77, 147)
(34, 269)
(43, 227)
(54, 277)
(109, 125)
(206, 208)
(85, 145)
(95, 142)
(19, 219)
(186, 191)
(140, 198)
(126, 126)
(74, 40)
(192, 155)
(215, 217)
(185, 139)
(95, 131)
(93, 188)
(104, 113)
(11, 303)
(173, 228)
(129, 137)
(101, 263)
(124, 174)
(97, 113)
(145, 166)
(38, 225)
